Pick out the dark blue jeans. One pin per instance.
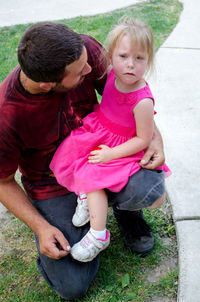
(71, 278)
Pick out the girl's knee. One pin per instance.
(158, 203)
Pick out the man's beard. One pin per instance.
(61, 88)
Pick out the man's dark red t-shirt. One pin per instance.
(32, 126)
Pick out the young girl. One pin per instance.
(106, 150)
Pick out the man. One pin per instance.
(41, 101)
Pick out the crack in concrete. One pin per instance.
(195, 218)
(181, 47)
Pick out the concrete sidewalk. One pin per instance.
(26, 11)
(177, 92)
(177, 95)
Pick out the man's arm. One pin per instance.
(154, 155)
(16, 201)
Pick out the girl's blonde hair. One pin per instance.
(140, 33)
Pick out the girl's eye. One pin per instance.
(139, 58)
(123, 56)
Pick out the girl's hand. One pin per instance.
(101, 154)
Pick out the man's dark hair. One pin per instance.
(46, 48)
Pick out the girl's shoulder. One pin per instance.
(134, 97)
(144, 93)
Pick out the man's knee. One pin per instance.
(158, 203)
(142, 190)
(72, 292)
(69, 278)
(68, 281)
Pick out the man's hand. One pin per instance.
(52, 243)
(154, 155)
(101, 154)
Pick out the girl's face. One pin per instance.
(129, 64)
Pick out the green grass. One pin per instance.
(162, 15)
(122, 275)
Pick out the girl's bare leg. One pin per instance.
(98, 208)
(97, 238)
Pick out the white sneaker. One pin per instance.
(81, 215)
(89, 247)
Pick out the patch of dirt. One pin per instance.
(162, 299)
(5, 215)
(162, 270)
(169, 262)
(5, 218)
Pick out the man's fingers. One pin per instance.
(146, 159)
(50, 251)
(55, 251)
(153, 162)
(53, 243)
(63, 244)
(150, 165)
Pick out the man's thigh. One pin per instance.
(68, 277)
(141, 191)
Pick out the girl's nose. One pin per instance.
(131, 62)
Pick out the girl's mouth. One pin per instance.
(130, 73)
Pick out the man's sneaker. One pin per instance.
(137, 234)
(81, 215)
(89, 247)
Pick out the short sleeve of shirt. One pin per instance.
(9, 148)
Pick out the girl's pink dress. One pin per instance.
(112, 123)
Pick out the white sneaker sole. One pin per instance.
(83, 223)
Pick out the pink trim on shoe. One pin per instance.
(107, 236)
(89, 247)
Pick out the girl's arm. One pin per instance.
(143, 112)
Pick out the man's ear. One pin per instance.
(46, 86)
